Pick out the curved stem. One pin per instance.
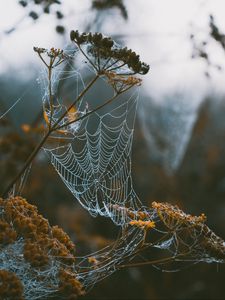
(54, 127)
(90, 112)
(94, 110)
(153, 262)
(50, 94)
(84, 54)
(50, 130)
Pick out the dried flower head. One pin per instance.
(10, 286)
(35, 252)
(172, 216)
(121, 83)
(107, 55)
(143, 224)
(193, 236)
(54, 56)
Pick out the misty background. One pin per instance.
(179, 142)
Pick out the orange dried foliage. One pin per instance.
(92, 260)
(61, 236)
(140, 215)
(7, 234)
(143, 224)
(42, 243)
(21, 220)
(35, 255)
(11, 287)
(119, 81)
(172, 216)
(69, 286)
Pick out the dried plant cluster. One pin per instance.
(185, 237)
(105, 48)
(37, 257)
(11, 286)
(192, 231)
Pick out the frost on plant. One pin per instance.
(35, 258)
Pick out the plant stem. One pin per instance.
(54, 127)
(50, 94)
(152, 262)
(92, 111)
(50, 130)
(89, 113)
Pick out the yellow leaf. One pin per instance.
(72, 114)
(46, 117)
(25, 127)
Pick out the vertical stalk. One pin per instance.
(50, 94)
(50, 130)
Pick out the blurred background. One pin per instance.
(179, 140)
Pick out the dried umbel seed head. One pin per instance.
(53, 52)
(105, 48)
(121, 83)
(39, 50)
(166, 210)
(191, 228)
(10, 286)
(7, 234)
(35, 254)
(69, 286)
(51, 58)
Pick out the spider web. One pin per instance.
(94, 162)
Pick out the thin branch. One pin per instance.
(75, 102)
(94, 110)
(38, 147)
(89, 113)
(42, 59)
(50, 94)
(84, 54)
(112, 63)
(117, 67)
(152, 262)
